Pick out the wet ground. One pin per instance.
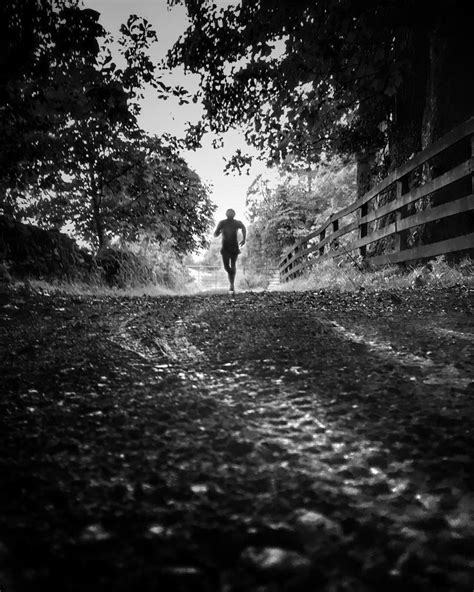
(278, 442)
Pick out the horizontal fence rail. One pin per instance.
(214, 277)
(435, 184)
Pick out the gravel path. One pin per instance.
(281, 441)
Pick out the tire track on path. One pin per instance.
(313, 398)
(281, 443)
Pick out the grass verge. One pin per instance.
(97, 289)
(329, 274)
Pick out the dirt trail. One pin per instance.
(284, 441)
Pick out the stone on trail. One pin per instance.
(157, 530)
(95, 533)
(275, 560)
(309, 523)
(199, 488)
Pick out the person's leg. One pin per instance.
(226, 260)
(233, 270)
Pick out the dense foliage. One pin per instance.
(378, 78)
(142, 185)
(44, 45)
(80, 158)
(294, 206)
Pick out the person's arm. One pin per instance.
(244, 234)
(218, 229)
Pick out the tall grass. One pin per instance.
(100, 289)
(331, 275)
(326, 274)
(251, 279)
(123, 272)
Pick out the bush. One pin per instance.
(144, 263)
(168, 267)
(253, 280)
(123, 269)
(27, 251)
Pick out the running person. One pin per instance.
(230, 244)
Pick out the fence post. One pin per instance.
(322, 235)
(398, 216)
(290, 265)
(472, 156)
(364, 210)
(401, 189)
(335, 228)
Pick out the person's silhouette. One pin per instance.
(229, 229)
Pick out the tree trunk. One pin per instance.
(365, 163)
(96, 213)
(450, 85)
(365, 156)
(99, 227)
(405, 138)
(431, 112)
(449, 102)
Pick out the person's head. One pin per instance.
(230, 213)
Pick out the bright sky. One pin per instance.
(159, 116)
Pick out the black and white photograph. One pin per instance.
(236, 296)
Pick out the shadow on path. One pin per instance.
(169, 443)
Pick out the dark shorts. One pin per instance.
(230, 251)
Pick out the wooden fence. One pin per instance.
(214, 277)
(385, 225)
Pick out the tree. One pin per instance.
(99, 143)
(142, 187)
(348, 77)
(40, 41)
(299, 203)
(212, 256)
(90, 165)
